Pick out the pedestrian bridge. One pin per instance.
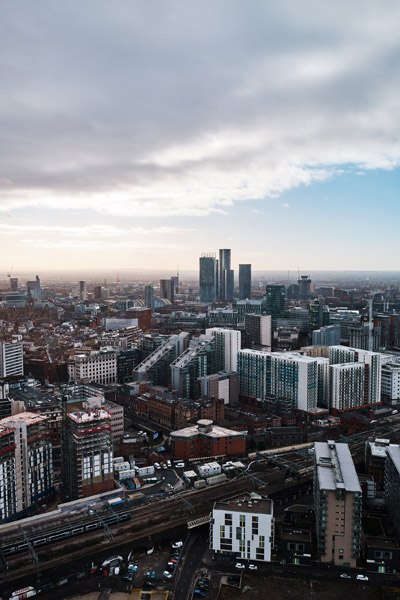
(198, 522)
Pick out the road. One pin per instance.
(197, 545)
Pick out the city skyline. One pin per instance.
(142, 138)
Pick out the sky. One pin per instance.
(142, 134)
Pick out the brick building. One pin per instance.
(205, 439)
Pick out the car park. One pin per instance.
(362, 577)
(239, 566)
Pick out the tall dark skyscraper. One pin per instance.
(244, 282)
(208, 278)
(275, 301)
(167, 289)
(226, 276)
(304, 283)
(149, 296)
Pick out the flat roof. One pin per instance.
(245, 504)
(29, 418)
(88, 416)
(335, 467)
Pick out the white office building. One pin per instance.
(98, 367)
(243, 527)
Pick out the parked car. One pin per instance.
(157, 466)
(253, 567)
(178, 544)
(167, 575)
(113, 561)
(345, 576)
(240, 566)
(362, 578)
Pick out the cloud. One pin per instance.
(285, 205)
(175, 110)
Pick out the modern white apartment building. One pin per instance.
(296, 377)
(391, 382)
(347, 383)
(243, 527)
(372, 362)
(99, 367)
(227, 346)
(11, 359)
(338, 504)
(253, 367)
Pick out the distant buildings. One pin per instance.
(208, 278)
(275, 301)
(243, 528)
(226, 276)
(167, 289)
(326, 336)
(83, 291)
(244, 281)
(338, 505)
(149, 296)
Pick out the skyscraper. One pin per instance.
(167, 289)
(244, 281)
(208, 278)
(304, 283)
(82, 291)
(149, 296)
(226, 276)
(11, 359)
(275, 301)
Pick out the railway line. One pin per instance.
(51, 541)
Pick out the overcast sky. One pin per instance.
(143, 133)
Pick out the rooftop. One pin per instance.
(28, 418)
(215, 431)
(245, 504)
(335, 467)
(83, 416)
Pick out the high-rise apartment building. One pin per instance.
(33, 457)
(338, 504)
(254, 368)
(8, 476)
(346, 386)
(244, 281)
(243, 527)
(208, 278)
(226, 276)
(11, 359)
(87, 453)
(227, 346)
(372, 362)
(296, 377)
(197, 361)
